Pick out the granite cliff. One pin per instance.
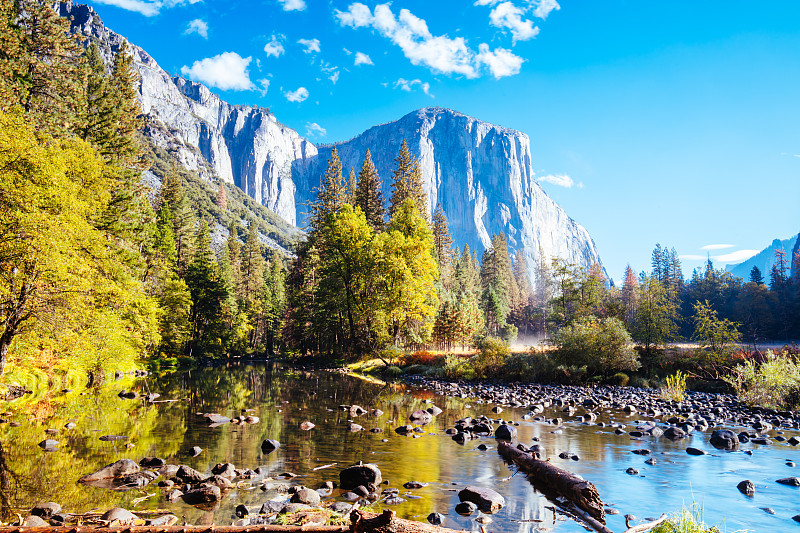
(480, 173)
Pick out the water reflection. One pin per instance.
(283, 398)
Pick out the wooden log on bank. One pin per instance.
(362, 522)
(552, 479)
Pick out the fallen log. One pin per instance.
(642, 528)
(552, 479)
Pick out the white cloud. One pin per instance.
(408, 85)
(263, 86)
(334, 77)
(293, 5)
(544, 7)
(501, 62)
(296, 96)
(562, 180)
(357, 15)
(509, 16)
(363, 59)
(486, 2)
(275, 46)
(736, 257)
(315, 130)
(716, 246)
(439, 53)
(226, 71)
(198, 26)
(148, 8)
(312, 45)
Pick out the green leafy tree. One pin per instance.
(602, 345)
(657, 314)
(718, 336)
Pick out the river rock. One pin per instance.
(746, 487)
(434, 411)
(632, 472)
(163, 521)
(306, 496)
(174, 495)
(49, 445)
(226, 470)
(307, 426)
(34, 521)
(724, 439)
(291, 508)
(241, 511)
(196, 450)
(119, 517)
(187, 474)
(404, 430)
(641, 452)
(356, 410)
(466, 508)
(135, 480)
(414, 485)
(218, 481)
(216, 419)
(694, 451)
(168, 471)
(421, 417)
(505, 432)
(202, 495)
(674, 433)
(128, 395)
(791, 481)
(270, 445)
(117, 469)
(436, 519)
(46, 509)
(488, 500)
(152, 462)
(368, 475)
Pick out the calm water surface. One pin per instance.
(283, 398)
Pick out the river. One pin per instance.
(282, 398)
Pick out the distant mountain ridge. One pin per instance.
(764, 259)
(482, 174)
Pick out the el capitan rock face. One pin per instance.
(481, 173)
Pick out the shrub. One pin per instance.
(620, 378)
(601, 345)
(531, 366)
(393, 371)
(456, 367)
(775, 382)
(675, 388)
(424, 357)
(492, 352)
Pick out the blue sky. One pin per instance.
(650, 121)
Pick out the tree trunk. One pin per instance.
(553, 479)
(5, 343)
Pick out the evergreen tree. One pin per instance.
(251, 268)
(183, 220)
(407, 182)
(222, 197)
(208, 295)
(442, 241)
(368, 194)
(330, 194)
(756, 276)
(350, 188)
(630, 294)
(274, 298)
(49, 61)
(500, 292)
(128, 118)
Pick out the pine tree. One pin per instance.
(208, 295)
(796, 260)
(442, 241)
(407, 182)
(50, 60)
(128, 120)
(331, 192)
(222, 198)
(630, 291)
(350, 188)
(100, 107)
(252, 267)
(522, 278)
(368, 194)
(756, 276)
(183, 220)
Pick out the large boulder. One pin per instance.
(203, 494)
(118, 469)
(421, 417)
(46, 509)
(674, 433)
(725, 439)
(505, 432)
(488, 500)
(367, 475)
(187, 474)
(306, 496)
(119, 517)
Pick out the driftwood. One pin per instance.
(362, 522)
(642, 528)
(554, 480)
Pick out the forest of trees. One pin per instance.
(96, 272)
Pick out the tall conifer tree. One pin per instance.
(368, 194)
(407, 182)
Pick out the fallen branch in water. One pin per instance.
(642, 528)
(553, 479)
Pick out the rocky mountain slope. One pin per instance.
(480, 173)
(764, 259)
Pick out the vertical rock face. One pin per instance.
(480, 173)
(243, 145)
